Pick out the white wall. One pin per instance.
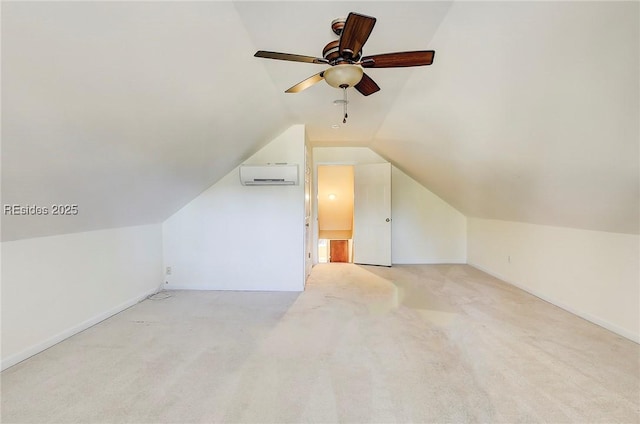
(590, 273)
(424, 229)
(54, 287)
(234, 237)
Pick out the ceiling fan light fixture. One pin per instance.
(339, 76)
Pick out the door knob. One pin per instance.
(387, 220)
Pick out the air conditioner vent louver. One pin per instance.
(262, 175)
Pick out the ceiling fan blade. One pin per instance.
(399, 60)
(291, 57)
(367, 86)
(303, 85)
(354, 34)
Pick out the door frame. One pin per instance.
(314, 204)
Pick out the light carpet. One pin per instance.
(413, 343)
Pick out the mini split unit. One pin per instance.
(276, 174)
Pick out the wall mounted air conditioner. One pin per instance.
(270, 174)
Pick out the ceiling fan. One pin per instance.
(344, 56)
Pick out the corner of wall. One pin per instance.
(56, 286)
(591, 274)
(234, 237)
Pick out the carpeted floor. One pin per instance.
(415, 343)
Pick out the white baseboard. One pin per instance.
(210, 287)
(589, 317)
(452, 262)
(37, 348)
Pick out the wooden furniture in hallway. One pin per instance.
(338, 251)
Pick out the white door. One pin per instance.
(372, 214)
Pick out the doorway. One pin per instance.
(367, 223)
(335, 213)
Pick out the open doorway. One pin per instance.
(335, 213)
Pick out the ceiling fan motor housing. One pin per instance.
(331, 52)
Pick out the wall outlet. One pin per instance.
(168, 270)
(509, 258)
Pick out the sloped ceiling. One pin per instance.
(131, 109)
(531, 114)
(128, 109)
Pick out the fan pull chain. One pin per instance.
(345, 101)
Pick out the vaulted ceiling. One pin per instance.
(529, 113)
